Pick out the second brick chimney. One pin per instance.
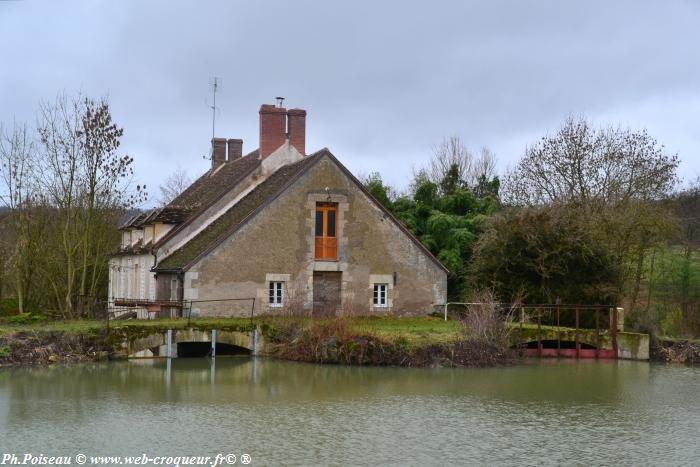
(296, 128)
(235, 149)
(273, 128)
(218, 155)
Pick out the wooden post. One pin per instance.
(578, 344)
(597, 334)
(614, 331)
(522, 316)
(558, 333)
(539, 333)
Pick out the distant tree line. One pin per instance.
(63, 185)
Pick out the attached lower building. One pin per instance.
(275, 231)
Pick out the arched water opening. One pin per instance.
(203, 349)
(175, 343)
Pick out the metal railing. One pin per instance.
(218, 307)
(128, 308)
(560, 317)
(605, 320)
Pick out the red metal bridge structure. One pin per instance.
(569, 331)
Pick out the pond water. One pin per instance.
(280, 413)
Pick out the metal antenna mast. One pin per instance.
(215, 84)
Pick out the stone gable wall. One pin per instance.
(280, 241)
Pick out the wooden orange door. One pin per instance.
(326, 229)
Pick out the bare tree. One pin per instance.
(86, 183)
(484, 166)
(62, 196)
(175, 184)
(452, 158)
(451, 152)
(592, 167)
(612, 177)
(687, 210)
(16, 154)
(686, 206)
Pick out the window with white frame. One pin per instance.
(276, 296)
(380, 295)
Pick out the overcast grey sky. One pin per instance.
(382, 82)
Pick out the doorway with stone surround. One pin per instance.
(326, 293)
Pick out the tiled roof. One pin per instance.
(133, 221)
(202, 192)
(213, 184)
(262, 195)
(207, 188)
(238, 214)
(136, 249)
(229, 175)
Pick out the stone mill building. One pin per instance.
(277, 230)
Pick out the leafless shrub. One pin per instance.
(684, 352)
(486, 321)
(295, 298)
(349, 307)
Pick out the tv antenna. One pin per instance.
(214, 86)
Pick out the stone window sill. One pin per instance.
(327, 265)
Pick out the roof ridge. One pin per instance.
(205, 191)
(230, 220)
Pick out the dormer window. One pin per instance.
(326, 247)
(126, 239)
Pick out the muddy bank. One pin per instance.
(675, 351)
(370, 351)
(41, 348)
(326, 341)
(333, 342)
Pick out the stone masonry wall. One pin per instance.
(278, 244)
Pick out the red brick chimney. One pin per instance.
(218, 155)
(235, 149)
(296, 128)
(273, 128)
